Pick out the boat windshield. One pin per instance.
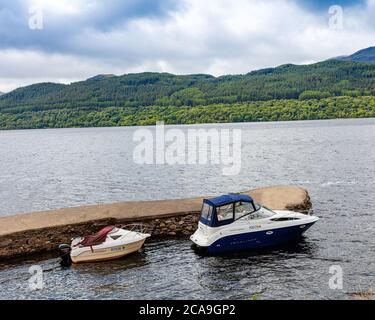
(262, 213)
(268, 209)
(252, 211)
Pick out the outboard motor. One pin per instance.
(64, 254)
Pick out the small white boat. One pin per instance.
(108, 244)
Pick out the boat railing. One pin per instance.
(136, 227)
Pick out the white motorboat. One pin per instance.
(108, 244)
(235, 222)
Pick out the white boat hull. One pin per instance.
(118, 244)
(98, 255)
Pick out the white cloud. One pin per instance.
(212, 36)
(21, 67)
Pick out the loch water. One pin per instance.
(333, 159)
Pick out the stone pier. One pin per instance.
(41, 232)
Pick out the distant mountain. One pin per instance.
(365, 55)
(1, 93)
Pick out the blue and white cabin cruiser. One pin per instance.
(235, 222)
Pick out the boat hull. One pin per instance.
(110, 253)
(256, 240)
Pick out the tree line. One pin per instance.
(273, 110)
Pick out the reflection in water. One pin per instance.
(300, 246)
(225, 272)
(171, 269)
(135, 260)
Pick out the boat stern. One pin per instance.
(201, 237)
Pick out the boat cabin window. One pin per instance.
(243, 209)
(225, 213)
(115, 237)
(206, 212)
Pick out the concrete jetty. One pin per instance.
(40, 232)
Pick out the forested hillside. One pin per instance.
(273, 110)
(144, 98)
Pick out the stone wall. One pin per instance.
(34, 242)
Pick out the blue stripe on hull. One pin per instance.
(257, 240)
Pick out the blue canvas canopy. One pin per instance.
(228, 199)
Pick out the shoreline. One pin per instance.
(41, 232)
(192, 124)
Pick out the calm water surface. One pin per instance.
(334, 160)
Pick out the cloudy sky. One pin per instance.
(70, 40)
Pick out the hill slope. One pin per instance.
(365, 55)
(330, 89)
(321, 80)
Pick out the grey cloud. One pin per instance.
(60, 28)
(191, 36)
